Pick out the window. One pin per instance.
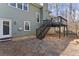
(38, 16)
(26, 26)
(25, 6)
(13, 4)
(5, 27)
(19, 5)
(22, 6)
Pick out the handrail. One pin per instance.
(59, 20)
(42, 30)
(62, 18)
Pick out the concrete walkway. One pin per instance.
(72, 48)
(49, 46)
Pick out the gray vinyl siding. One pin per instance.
(19, 16)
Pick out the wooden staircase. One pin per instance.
(43, 29)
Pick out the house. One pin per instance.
(21, 19)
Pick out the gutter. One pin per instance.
(37, 5)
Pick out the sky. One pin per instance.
(62, 7)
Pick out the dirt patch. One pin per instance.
(49, 46)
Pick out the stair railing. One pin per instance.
(43, 29)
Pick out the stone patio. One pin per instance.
(49, 46)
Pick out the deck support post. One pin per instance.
(59, 31)
(64, 31)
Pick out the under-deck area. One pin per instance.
(58, 22)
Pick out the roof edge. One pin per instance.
(37, 5)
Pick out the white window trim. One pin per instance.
(27, 7)
(10, 31)
(39, 16)
(22, 6)
(12, 6)
(19, 8)
(24, 25)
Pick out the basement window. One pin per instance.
(26, 26)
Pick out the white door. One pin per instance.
(5, 28)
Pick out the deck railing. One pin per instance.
(59, 20)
